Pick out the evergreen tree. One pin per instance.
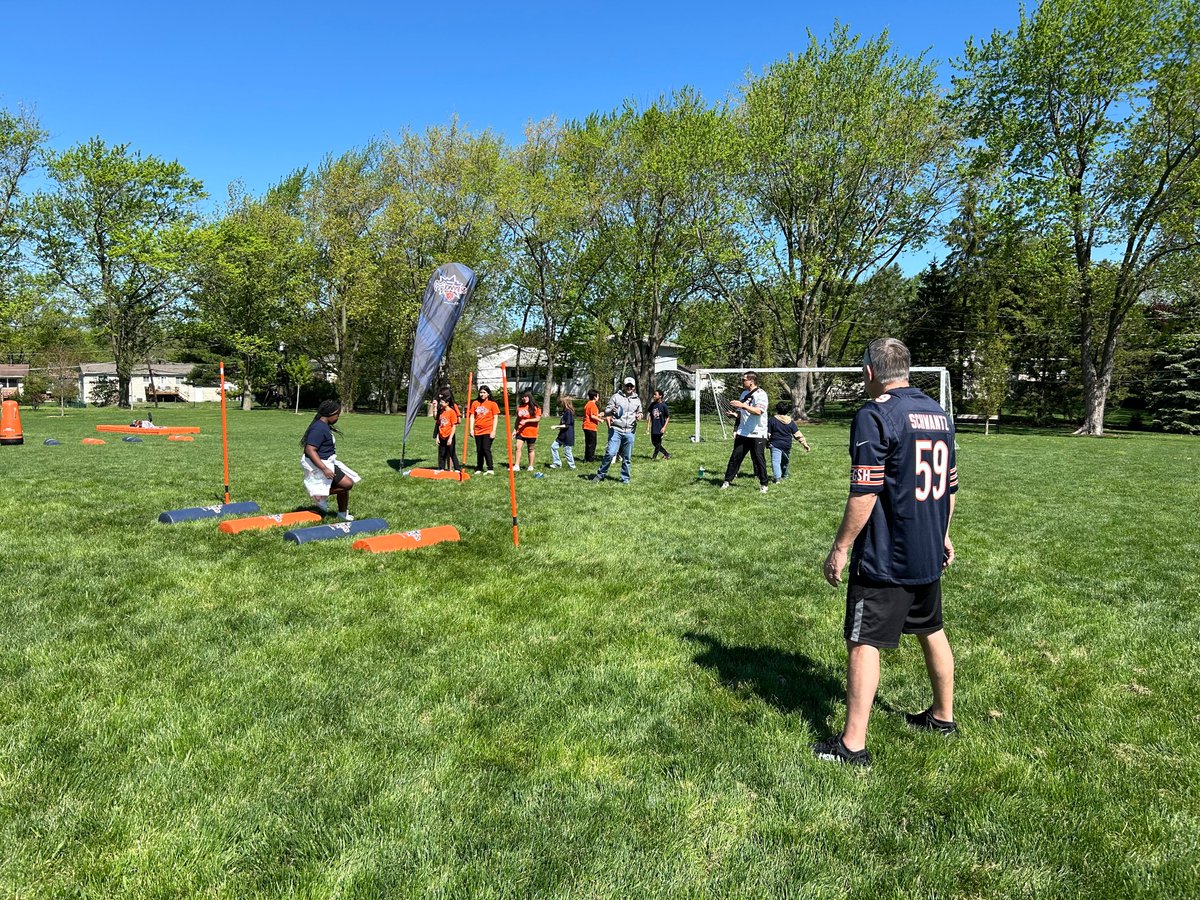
(1175, 400)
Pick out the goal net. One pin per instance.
(825, 393)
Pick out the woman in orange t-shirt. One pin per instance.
(591, 421)
(529, 414)
(447, 425)
(482, 416)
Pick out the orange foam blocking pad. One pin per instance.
(260, 523)
(408, 540)
(129, 429)
(435, 475)
(94, 441)
(180, 437)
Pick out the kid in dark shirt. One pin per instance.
(657, 418)
(780, 432)
(566, 436)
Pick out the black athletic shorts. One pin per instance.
(877, 613)
(529, 442)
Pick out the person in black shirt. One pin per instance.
(657, 418)
(781, 431)
(903, 480)
(565, 439)
(323, 475)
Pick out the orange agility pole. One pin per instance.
(224, 432)
(466, 428)
(512, 478)
(409, 540)
(260, 523)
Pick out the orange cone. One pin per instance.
(10, 424)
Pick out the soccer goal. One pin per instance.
(833, 391)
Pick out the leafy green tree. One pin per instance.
(20, 142)
(1093, 108)
(440, 207)
(1175, 397)
(254, 271)
(341, 207)
(551, 206)
(116, 232)
(666, 217)
(847, 156)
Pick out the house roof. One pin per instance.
(19, 370)
(159, 368)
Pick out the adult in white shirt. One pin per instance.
(750, 436)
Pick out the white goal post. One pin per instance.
(711, 381)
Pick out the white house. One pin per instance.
(12, 379)
(570, 377)
(164, 381)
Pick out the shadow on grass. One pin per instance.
(400, 465)
(791, 682)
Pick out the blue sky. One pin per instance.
(252, 91)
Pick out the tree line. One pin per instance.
(1060, 169)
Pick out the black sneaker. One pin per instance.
(833, 750)
(927, 721)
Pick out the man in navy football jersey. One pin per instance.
(902, 485)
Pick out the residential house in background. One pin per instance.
(162, 381)
(12, 379)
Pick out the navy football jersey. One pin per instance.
(902, 448)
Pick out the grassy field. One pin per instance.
(622, 707)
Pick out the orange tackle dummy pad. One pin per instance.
(435, 475)
(94, 441)
(409, 540)
(259, 523)
(180, 437)
(129, 429)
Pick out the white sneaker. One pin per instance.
(724, 485)
(490, 472)
(555, 465)
(345, 517)
(763, 489)
(530, 469)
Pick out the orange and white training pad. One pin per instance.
(129, 429)
(435, 475)
(260, 523)
(408, 540)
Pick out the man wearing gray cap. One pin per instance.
(622, 414)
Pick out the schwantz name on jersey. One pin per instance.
(928, 422)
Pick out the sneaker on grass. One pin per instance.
(927, 721)
(345, 517)
(833, 750)
(763, 489)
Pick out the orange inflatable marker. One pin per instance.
(10, 424)
(409, 540)
(180, 437)
(435, 475)
(94, 441)
(261, 523)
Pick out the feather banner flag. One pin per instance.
(446, 296)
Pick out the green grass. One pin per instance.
(621, 707)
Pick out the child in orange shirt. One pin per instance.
(591, 422)
(447, 426)
(483, 415)
(529, 414)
